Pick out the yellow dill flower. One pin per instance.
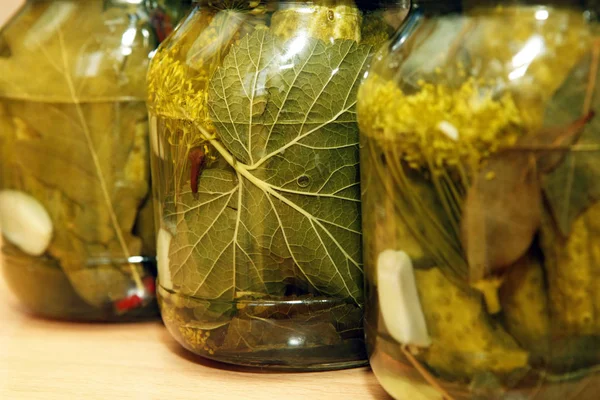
(439, 125)
(178, 90)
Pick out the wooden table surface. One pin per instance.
(48, 360)
(7, 8)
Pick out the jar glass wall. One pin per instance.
(479, 160)
(255, 163)
(75, 205)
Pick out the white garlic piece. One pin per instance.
(25, 222)
(163, 243)
(157, 145)
(399, 301)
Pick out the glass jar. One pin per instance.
(479, 156)
(255, 163)
(75, 204)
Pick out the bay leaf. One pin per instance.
(502, 211)
(285, 212)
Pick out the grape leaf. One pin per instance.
(575, 184)
(286, 211)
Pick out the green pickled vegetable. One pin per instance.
(573, 267)
(525, 307)
(465, 340)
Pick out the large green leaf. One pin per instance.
(286, 210)
(575, 184)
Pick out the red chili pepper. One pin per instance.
(197, 160)
(162, 24)
(128, 303)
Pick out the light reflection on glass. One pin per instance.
(295, 47)
(305, 10)
(295, 341)
(127, 41)
(529, 52)
(518, 73)
(521, 61)
(542, 15)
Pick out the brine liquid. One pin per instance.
(293, 334)
(402, 380)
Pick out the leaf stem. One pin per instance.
(88, 137)
(426, 227)
(489, 289)
(587, 105)
(236, 232)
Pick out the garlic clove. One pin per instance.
(163, 244)
(25, 222)
(399, 301)
(157, 145)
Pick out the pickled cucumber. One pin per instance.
(573, 268)
(525, 305)
(465, 340)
